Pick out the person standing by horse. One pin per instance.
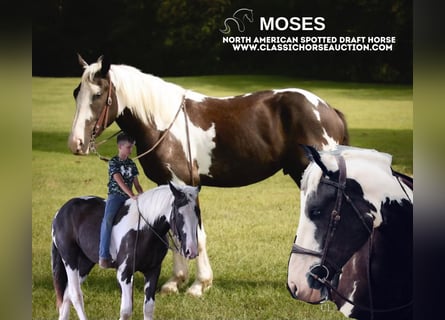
(123, 174)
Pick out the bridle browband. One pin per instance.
(333, 222)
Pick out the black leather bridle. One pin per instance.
(320, 271)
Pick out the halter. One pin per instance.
(333, 222)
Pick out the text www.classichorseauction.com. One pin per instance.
(244, 17)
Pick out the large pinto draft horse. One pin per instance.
(354, 242)
(190, 138)
(138, 243)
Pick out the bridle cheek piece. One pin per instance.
(335, 218)
(102, 121)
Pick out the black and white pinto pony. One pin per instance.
(354, 238)
(138, 243)
(195, 139)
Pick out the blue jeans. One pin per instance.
(114, 202)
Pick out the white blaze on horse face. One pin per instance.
(306, 228)
(299, 264)
(80, 134)
(78, 138)
(191, 222)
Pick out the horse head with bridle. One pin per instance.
(191, 138)
(139, 242)
(354, 238)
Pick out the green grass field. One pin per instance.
(250, 229)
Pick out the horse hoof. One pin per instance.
(169, 288)
(195, 291)
(198, 288)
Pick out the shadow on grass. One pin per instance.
(104, 281)
(50, 141)
(58, 142)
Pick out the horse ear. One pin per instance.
(105, 66)
(313, 155)
(173, 189)
(82, 62)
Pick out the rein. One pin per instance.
(140, 216)
(174, 249)
(181, 107)
(333, 222)
(103, 120)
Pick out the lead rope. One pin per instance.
(165, 132)
(189, 149)
(93, 145)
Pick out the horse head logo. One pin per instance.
(238, 18)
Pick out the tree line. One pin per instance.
(184, 37)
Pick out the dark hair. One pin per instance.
(124, 137)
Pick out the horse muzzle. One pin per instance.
(304, 273)
(78, 146)
(190, 254)
(190, 251)
(307, 294)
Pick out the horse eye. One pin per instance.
(315, 212)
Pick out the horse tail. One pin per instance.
(60, 278)
(342, 117)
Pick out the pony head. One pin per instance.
(185, 218)
(96, 105)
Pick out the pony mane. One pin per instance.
(152, 204)
(155, 203)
